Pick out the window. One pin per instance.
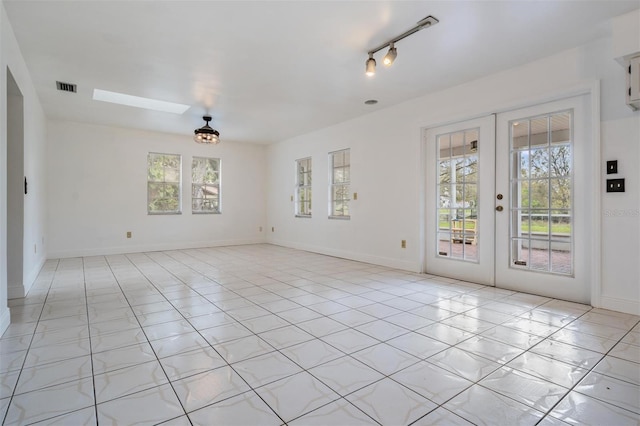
(542, 193)
(340, 164)
(458, 203)
(303, 187)
(205, 185)
(163, 183)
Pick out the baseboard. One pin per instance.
(404, 265)
(15, 292)
(620, 305)
(5, 320)
(104, 251)
(33, 274)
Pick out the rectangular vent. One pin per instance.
(66, 87)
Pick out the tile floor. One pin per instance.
(264, 335)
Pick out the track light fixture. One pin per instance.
(392, 53)
(206, 134)
(371, 65)
(390, 56)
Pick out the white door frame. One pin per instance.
(591, 88)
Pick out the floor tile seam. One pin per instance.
(340, 398)
(591, 369)
(544, 414)
(75, 379)
(498, 365)
(614, 404)
(443, 408)
(218, 307)
(6, 414)
(438, 405)
(572, 388)
(152, 349)
(227, 363)
(41, 421)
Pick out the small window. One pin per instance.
(340, 164)
(163, 183)
(205, 185)
(303, 187)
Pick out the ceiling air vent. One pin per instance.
(66, 87)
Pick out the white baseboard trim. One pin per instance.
(5, 320)
(33, 274)
(15, 291)
(620, 305)
(404, 265)
(18, 291)
(61, 254)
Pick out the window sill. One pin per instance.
(340, 217)
(303, 216)
(163, 213)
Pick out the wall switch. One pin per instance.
(403, 244)
(128, 234)
(355, 196)
(260, 228)
(292, 198)
(35, 248)
(612, 167)
(273, 229)
(615, 185)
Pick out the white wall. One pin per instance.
(34, 147)
(387, 170)
(97, 184)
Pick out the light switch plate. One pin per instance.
(612, 167)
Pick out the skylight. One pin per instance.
(138, 102)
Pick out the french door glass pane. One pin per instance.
(457, 204)
(541, 186)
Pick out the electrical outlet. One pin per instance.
(403, 244)
(615, 185)
(128, 234)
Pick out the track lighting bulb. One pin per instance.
(371, 65)
(390, 56)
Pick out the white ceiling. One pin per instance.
(270, 70)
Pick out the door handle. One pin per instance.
(499, 208)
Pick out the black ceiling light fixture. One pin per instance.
(206, 134)
(391, 55)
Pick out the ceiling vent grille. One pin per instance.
(66, 87)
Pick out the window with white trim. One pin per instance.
(164, 179)
(205, 185)
(340, 178)
(303, 187)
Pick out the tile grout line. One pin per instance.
(93, 376)
(30, 342)
(115, 277)
(178, 263)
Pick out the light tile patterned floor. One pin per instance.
(264, 335)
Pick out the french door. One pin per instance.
(507, 200)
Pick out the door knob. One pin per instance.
(499, 208)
